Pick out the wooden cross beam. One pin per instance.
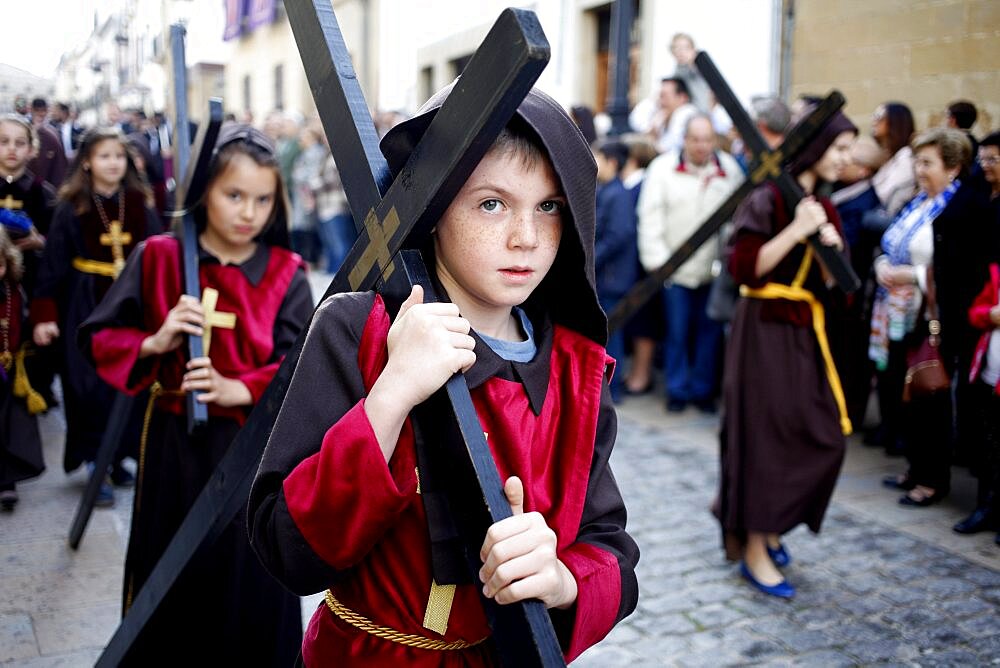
(767, 166)
(496, 80)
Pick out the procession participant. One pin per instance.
(104, 210)
(336, 503)
(785, 418)
(256, 300)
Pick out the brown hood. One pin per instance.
(567, 294)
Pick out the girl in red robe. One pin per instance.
(224, 609)
(338, 503)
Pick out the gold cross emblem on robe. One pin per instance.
(9, 202)
(213, 318)
(117, 239)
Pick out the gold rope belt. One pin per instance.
(155, 390)
(89, 266)
(797, 294)
(386, 633)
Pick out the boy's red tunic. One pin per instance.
(374, 555)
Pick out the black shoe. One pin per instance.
(676, 406)
(997, 539)
(706, 406)
(121, 477)
(8, 499)
(898, 482)
(981, 519)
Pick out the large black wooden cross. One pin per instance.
(767, 165)
(394, 214)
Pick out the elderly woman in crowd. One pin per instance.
(939, 241)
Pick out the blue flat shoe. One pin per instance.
(779, 555)
(782, 590)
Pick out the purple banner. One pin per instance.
(235, 11)
(259, 13)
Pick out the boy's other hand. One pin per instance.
(428, 343)
(519, 558)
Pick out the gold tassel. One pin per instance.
(439, 607)
(22, 386)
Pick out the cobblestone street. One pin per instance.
(883, 584)
(868, 593)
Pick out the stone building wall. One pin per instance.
(925, 53)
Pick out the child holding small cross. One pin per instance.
(104, 210)
(337, 505)
(255, 301)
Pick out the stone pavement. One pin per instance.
(883, 584)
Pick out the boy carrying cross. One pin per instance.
(336, 503)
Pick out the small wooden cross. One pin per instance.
(213, 318)
(117, 239)
(9, 202)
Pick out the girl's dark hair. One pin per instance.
(244, 140)
(79, 189)
(901, 126)
(12, 255)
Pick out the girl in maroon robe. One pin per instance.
(785, 417)
(338, 503)
(103, 212)
(224, 609)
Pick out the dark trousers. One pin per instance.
(986, 457)
(692, 345)
(924, 424)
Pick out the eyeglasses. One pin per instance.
(989, 160)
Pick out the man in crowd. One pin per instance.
(682, 187)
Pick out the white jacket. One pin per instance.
(675, 200)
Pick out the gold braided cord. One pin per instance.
(88, 266)
(155, 391)
(386, 633)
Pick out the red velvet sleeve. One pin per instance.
(598, 581)
(116, 355)
(979, 312)
(753, 228)
(258, 379)
(603, 557)
(324, 493)
(44, 309)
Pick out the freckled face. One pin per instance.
(499, 238)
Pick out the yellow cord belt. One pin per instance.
(386, 633)
(88, 266)
(796, 293)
